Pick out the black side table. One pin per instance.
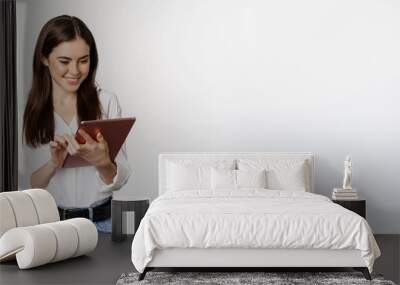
(357, 206)
(139, 205)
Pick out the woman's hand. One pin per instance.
(94, 152)
(58, 150)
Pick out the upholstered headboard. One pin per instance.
(164, 158)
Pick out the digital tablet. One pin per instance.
(114, 132)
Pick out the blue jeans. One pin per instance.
(104, 226)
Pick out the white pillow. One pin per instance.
(185, 177)
(251, 178)
(236, 179)
(282, 174)
(193, 173)
(223, 179)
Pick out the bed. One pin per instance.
(246, 210)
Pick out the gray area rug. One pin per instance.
(269, 278)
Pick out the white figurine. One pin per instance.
(347, 174)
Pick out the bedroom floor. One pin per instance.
(110, 260)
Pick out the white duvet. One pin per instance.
(250, 218)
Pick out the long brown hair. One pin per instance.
(38, 126)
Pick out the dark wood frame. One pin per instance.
(364, 270)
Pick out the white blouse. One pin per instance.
(81, 186)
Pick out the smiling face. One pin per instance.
(69, 65)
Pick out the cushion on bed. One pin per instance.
(187, 174)
(188, 177)
(238, 179)
(282, 174)
(251, 178)
(223, 179)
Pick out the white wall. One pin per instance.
(222, 75)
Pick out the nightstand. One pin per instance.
(121, 204)
(357, 206)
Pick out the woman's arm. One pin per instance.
(41, 177)
(107, 172)
(58, 149)
(121, 160)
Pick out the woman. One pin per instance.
(63, 93)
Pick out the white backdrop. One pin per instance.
(231, 75)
